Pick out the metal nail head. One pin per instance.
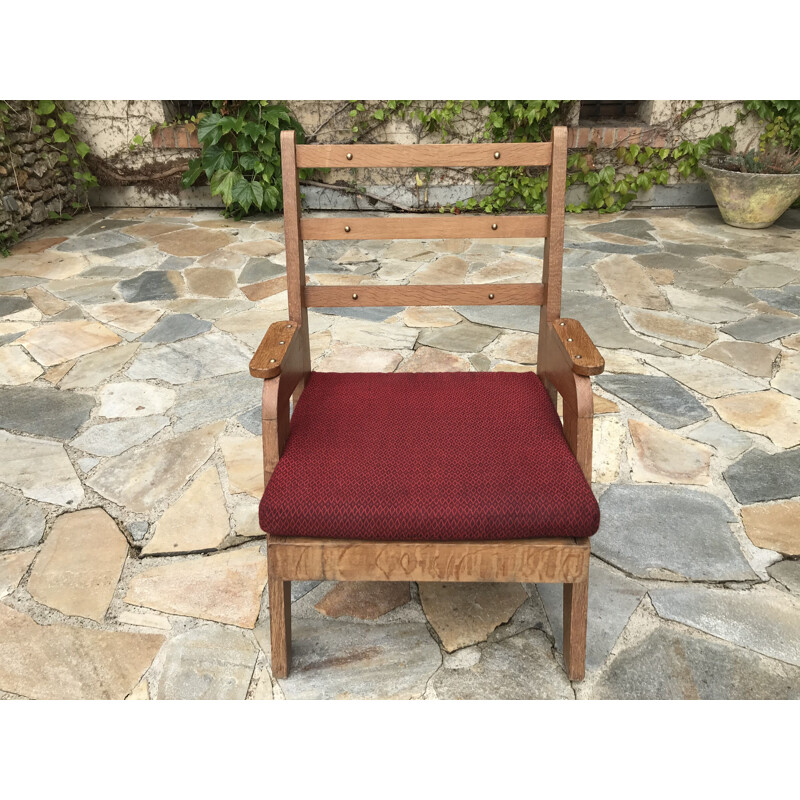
(569, 340)
(494, 226)
(491, 296)
(349, 156)
(285, 342)
(578, 356)
(347, 229)
(497, 155)
(272, 361)
(355, 296)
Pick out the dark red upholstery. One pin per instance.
(427, 456)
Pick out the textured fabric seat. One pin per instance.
(427, 456)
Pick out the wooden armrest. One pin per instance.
(266, 361)
(579, 348)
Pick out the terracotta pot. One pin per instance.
(751, 199)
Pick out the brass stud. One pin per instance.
(349, 156)
(288, 327)
(285, 342)
(491, 296)
(562, 324)
(494, 226)
(355, 296)
(347, 229)
(497, 155)
(569, 340)
(578, 356)
(272, 361)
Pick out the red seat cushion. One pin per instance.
(427, 456)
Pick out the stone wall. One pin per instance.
(33, 182)
(136, 176)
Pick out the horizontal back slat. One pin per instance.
(426, 226)
(502, 294)
(525, 154)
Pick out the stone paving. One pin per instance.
(131, 562)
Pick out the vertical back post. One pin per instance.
(554, 244)
(295, 257)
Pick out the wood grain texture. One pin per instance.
(533, 154)
(280, 621)
(555, 368)
(295, 256)
(585, 357)
(528, 560)
(275, 397)
(425, 226)
(438, 295)
(266, 361)
(554, 243)
(576, 611)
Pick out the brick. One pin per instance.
(572, 137)
(193, 140)
(596, 137)
(583, 137)
(609, 137)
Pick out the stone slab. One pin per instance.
(40, 469)
(520, 318)
(12, 567)
(787, 573)
(670, 664)
(113, 438)
(134, 399)
(669, 532)
(628, 281)
(67, 662)
(661, 398)
(724, 438)
(222, 587)
(152, 285)
(196, 522)
(613, 597)
(244, 462)
(216, 399)
(762, 328)
(43, 411)
(705, 376)
(175, 327)
(660, 456)
(205, 356)
(55, 342)
(670, 327)
(21, 522)
(364, 599)
(17, 367)
(207, 663)
(770, 413)
(601, 320)
(775, 526)
(78, 566)
(758, 476)
(333, 659)
(519, 668)
(94, 369)
(750, 357)
(765, 620)
(463, 614)
(138, 480)
(465, 337)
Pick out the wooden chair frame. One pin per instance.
(566, 359)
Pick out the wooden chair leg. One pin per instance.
(280, 624)
(576, 608)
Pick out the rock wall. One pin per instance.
(33, 183)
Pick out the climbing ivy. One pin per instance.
(51, 118)
(240, 156)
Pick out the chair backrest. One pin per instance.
(550, 226)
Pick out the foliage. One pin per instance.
(52, 119)
(240, 156)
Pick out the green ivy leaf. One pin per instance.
(222, 184)
(60, 136)
(66, 118)
(216, 158)
(193, 172)
(209, 130)
(248, 161)
(45, 107)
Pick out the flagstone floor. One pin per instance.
(131, 562)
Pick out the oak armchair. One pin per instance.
(428, 476)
